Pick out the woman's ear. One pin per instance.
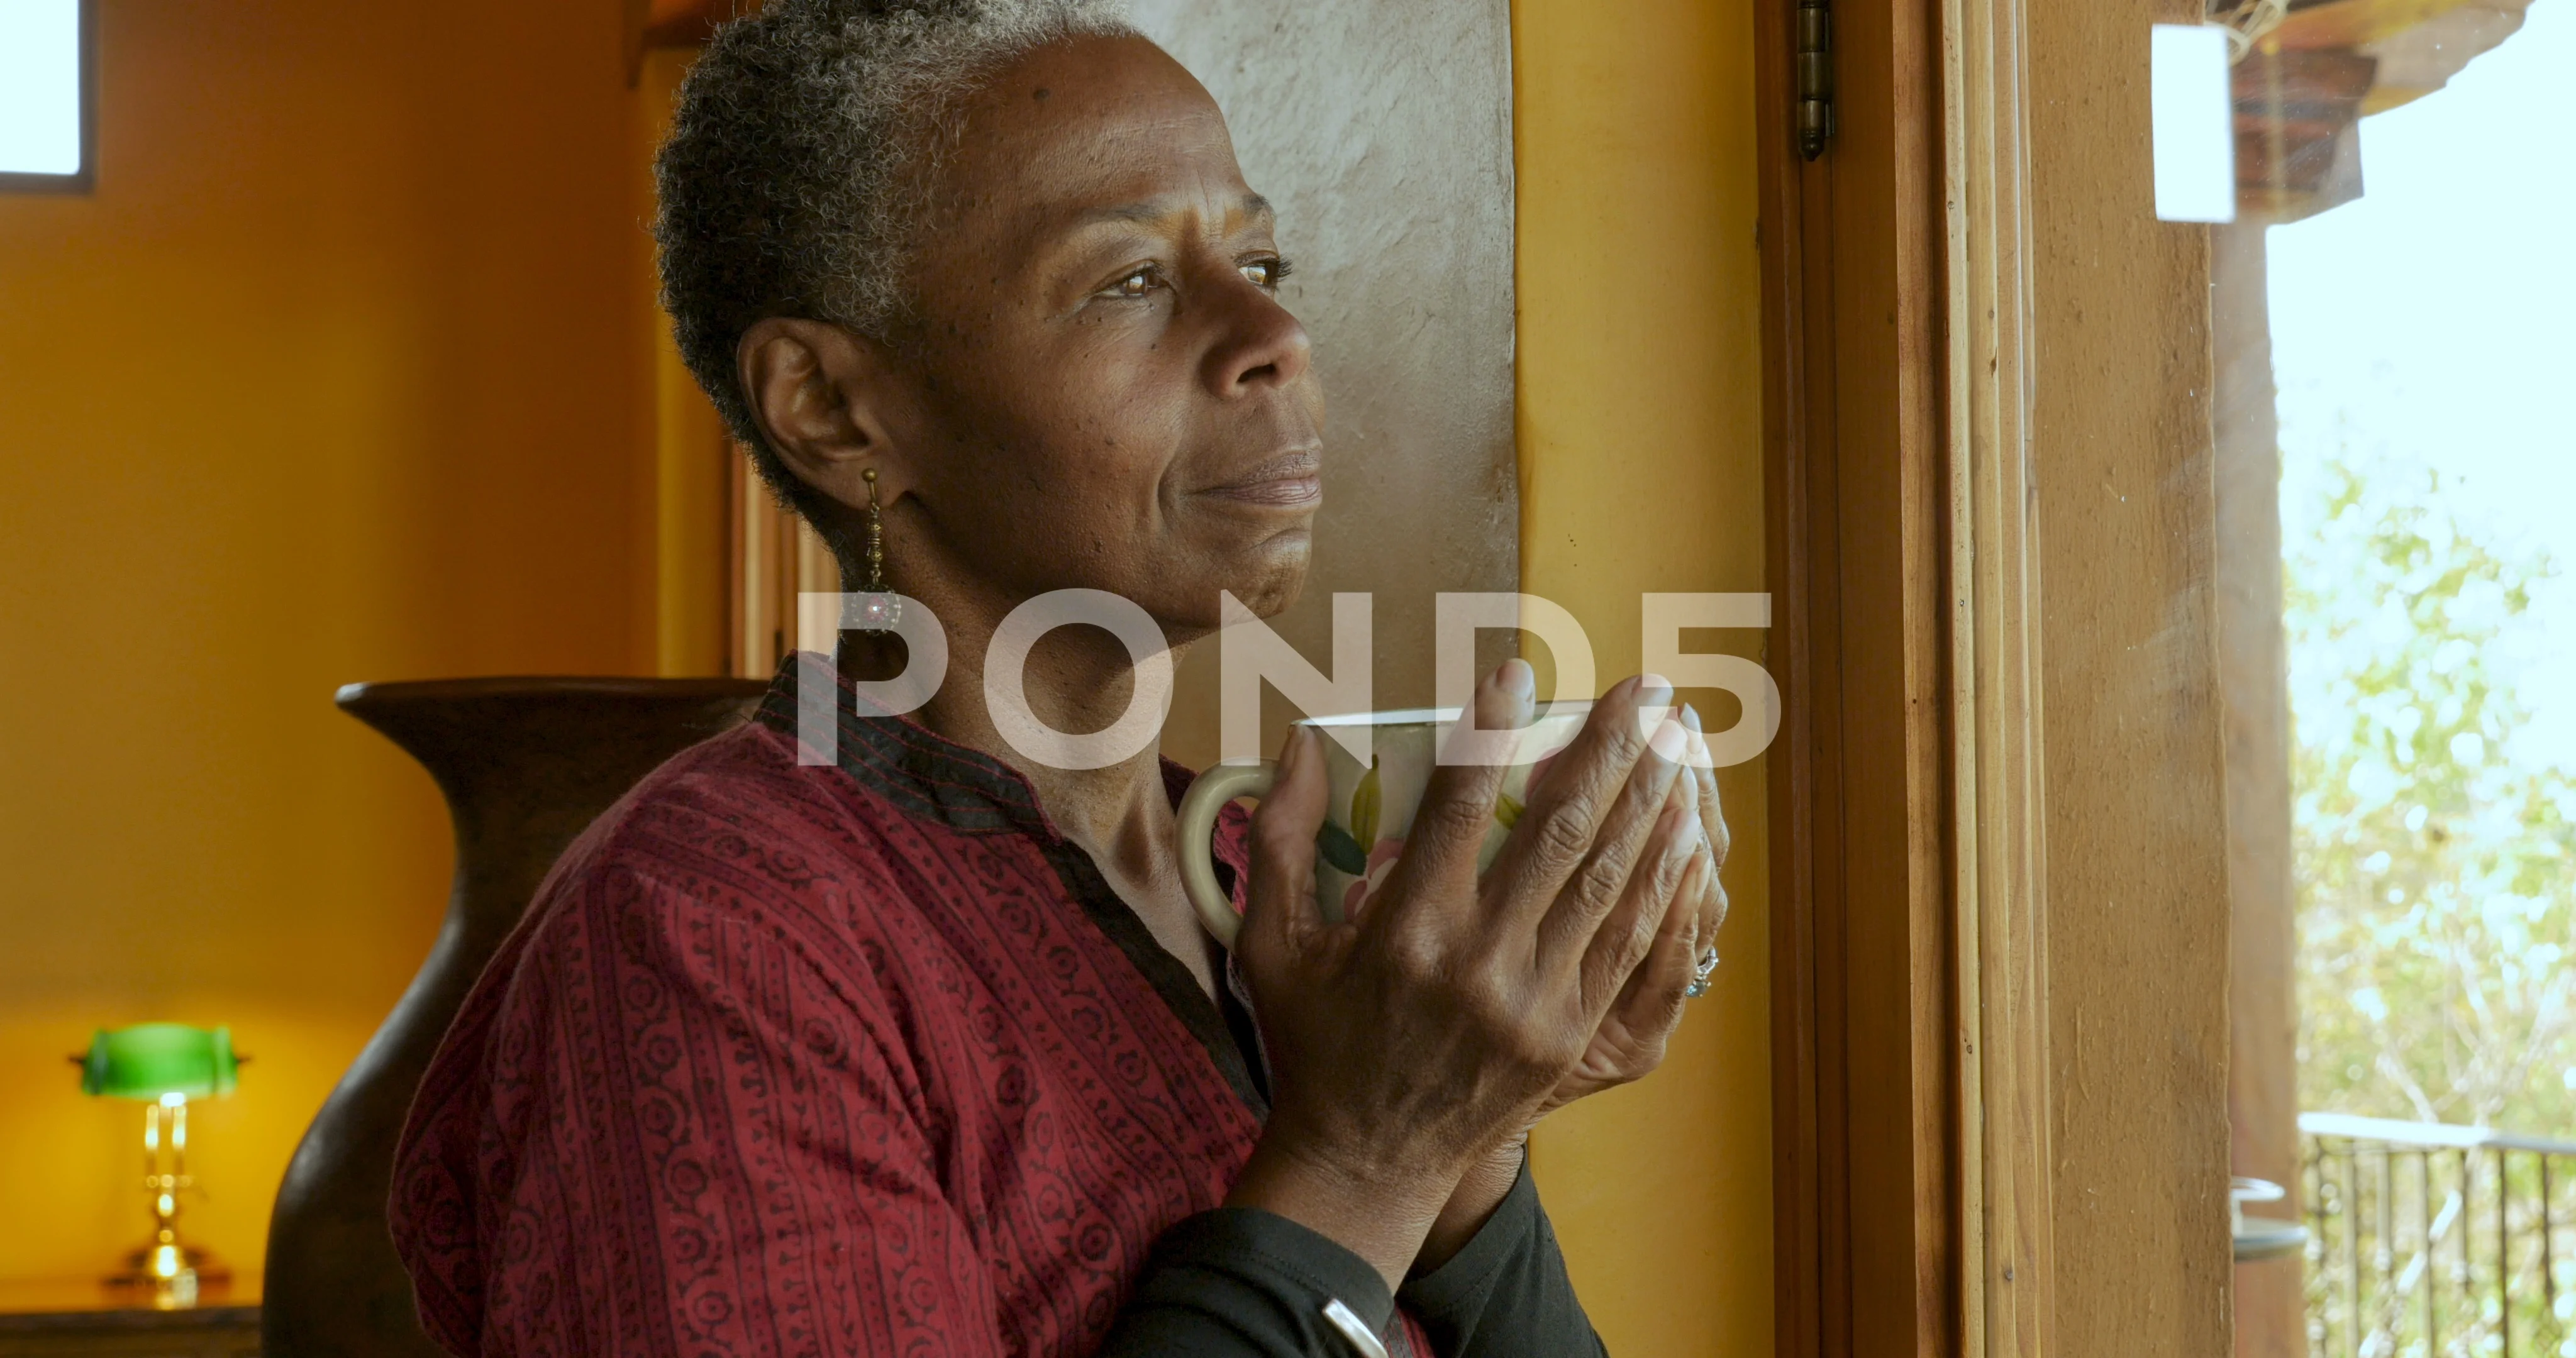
(820, 394)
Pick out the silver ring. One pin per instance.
(1701, 971)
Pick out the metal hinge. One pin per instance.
(1815, 77)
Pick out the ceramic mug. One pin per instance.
(1369, 804)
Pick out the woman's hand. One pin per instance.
(1685, 912)
(1686, 908)
(1405, 1044)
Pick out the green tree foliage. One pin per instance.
(2436, 867)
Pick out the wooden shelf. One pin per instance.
(83, 1318)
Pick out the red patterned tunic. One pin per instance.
(863, 1059)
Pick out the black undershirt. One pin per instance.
(1239, 1282)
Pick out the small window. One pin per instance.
(47, 141)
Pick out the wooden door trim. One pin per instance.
(1999, 851)
(1802, 1172)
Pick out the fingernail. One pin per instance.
(1519, 679)
(1699, 749)
(1690, 716)
(1649, 682)
(1669, 741)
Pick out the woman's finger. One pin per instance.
(1664, 979)
(1650, 1006)
(1712, 904)
(1279, 904)
(1704, 772)
(1712, 819)
(1555, 833)
(1653, 820)
(1438, 864)
(1647, 909)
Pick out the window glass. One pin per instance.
(2395, 326)
(2424, 346)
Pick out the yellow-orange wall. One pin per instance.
(695, 463)
(343, 372)
(1640, 470)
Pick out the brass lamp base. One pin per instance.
(166, 1272)
(168, 1275)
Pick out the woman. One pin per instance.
(924, 1052)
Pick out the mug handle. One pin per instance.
(1199, 808)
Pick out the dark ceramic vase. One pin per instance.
(526, 765)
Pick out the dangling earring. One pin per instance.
(879, 608)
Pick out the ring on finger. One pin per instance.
(1701, 972)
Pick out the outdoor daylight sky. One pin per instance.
(2434, 319)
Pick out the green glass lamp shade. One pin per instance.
(150, 1060)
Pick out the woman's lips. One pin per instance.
(1292, 481)
(1286, 490)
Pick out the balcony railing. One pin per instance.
(2430, 1240)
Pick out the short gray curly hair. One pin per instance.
(796, 175)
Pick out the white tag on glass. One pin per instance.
(40, 87)
(2195, 124)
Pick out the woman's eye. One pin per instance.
(1136, 284)
(1266, 273)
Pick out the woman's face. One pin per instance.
(1104, 390)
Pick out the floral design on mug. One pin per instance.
(1365, 801)
(1381, 860)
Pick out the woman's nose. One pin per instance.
(1260, 345)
